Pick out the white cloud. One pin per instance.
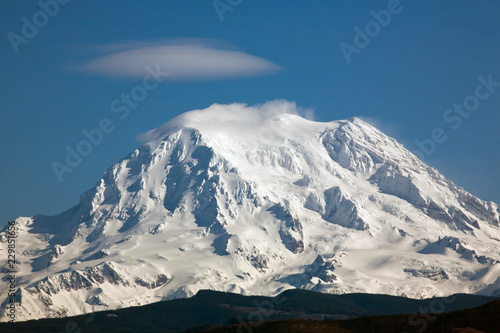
(237, 118)
(184, 59)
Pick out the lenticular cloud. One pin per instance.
(186, 59)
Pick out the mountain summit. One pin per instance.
(257, 200)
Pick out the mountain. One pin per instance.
(256, 200)
(213, 309)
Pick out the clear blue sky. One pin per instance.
(428, 57)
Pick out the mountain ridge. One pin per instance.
(210, 308)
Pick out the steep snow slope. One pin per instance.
(256, 200)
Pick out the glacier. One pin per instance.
(256, 200)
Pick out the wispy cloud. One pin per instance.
(389, 128)
(182, 59)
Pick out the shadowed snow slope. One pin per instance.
(256, 200)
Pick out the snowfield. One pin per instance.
(257, 200)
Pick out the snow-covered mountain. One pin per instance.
(256, 200)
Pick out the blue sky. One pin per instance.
(64, 78)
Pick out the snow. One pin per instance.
(256, 200)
